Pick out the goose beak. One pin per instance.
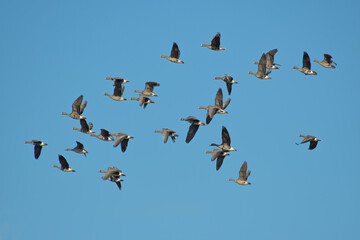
(201, 123)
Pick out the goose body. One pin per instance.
(219, 155)
(327, 61)
(226, 141)
(175, 54)
(78, 149)
(85, 127)
(308, 138)
(306, 69)
(118, 91)
(77, 109)
(166, 132)
(37, 147)
(121, 138)
(104, 135)
(219, 106)
(143, 100)
(229, 82)
(117, 79)
(149, 88)
(215, 43)
(269, 57)
(113, 174)
(243, 175)
(64, 165)
(195, 123)
(262, 73)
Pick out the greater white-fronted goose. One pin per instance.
(149, 87)
(37, 147)
(195, 123)
(326, 62)
(306, 69)
(219, 155)
(85, 128)
(64, 165)
(262, 73)
(104, 135)
(78, 149)
(113, 174)
(77, 109)
(118, 91)
(226, 141)
(122, 138)
(243, 175)
(270, 59)
(143, 100)
(175, 54)
(215, 43)
(120, 80)
(166, 132)
(229, 82)
(218, 108)
(308, 138)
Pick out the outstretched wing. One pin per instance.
(175, 52)
(191, 133)
(225, 136)
(219, 98)
(124, 144)
(77, 103)
(306, 61)
(313, 145)
(242, 172)
(215, 41)
(37, 150)
(63, 162)
(262, 64)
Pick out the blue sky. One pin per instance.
(54, 51)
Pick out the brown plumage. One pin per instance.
(306, 69)
(215, 43)
(262, 73)
(326, 62)
(175, 54)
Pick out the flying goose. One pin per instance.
(195, 123)
(149, 87)
(118, 91)
(37, 147)
(104, 135)
(326, 62)
(175, 54)
(306, 69)
(166, 132)
(78, 149)
(243, 175)
(113, 175)
(269, 56)
(85, 128)
(215, 43)
(122, 138)
(308, 138)
(218, 108)
(64, 165)
(143, 100)
(262, 73)
(229, 82)
(219, 155)
(226, 141)
(77, 109)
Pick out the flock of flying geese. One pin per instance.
(114, 174)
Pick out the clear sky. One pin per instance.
(54, 51)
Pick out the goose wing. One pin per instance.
(262, 64)
(215, 41)
(37, 150)
(242, 173)
(313, 145)
(306, 61)
(63, 162)
(84, 125)
(219, 98)
(175, 52)
(225, 136)
(76, 104)
(191, 133)
(149, 86)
